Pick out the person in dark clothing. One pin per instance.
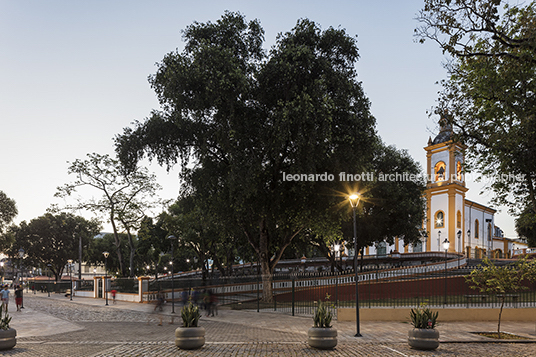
(18, 297)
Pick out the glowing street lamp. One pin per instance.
(446, 245)
(354, 201)
(469, 241)
(106, 254)
(337, 249)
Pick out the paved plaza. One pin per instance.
(55, 326)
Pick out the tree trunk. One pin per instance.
(219, 266)
(500, 313)
(132, 253)
(266, 269)
(202, 258)
(230, 261)
(267, 288)
(266, 262)
(117, 243)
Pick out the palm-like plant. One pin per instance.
(190, 315)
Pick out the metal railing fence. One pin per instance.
(299, 293)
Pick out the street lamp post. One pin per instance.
(106, 254)
(48, 283)
(21, 255)
(425, 237)
(337, 249)
(446, 247)
(172, 239)
(469, 242)
(70, 262)
(354, 201)
(459, 246)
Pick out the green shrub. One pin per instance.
(190, 315)
(322, 317)
(423, 318)
(4, 318)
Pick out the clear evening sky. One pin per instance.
(73, 74)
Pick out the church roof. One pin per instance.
(445, 133)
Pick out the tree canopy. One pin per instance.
(490, 95)
(8, 210)
(501, 280)
(241, 121)
(52, 239)
(125, 198)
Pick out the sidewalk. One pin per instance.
(126, 329)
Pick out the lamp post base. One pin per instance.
(358, 335)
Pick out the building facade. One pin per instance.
(468, 227)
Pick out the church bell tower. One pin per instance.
(445, 191)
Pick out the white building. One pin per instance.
(469, 227)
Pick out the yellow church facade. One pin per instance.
(468, 227)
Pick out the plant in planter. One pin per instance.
(322, 335)
(423, 336)
(8, 336)
(190, 336)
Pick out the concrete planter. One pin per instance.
(8, 339)
(322, 338)
(189, 338)
(423, 339)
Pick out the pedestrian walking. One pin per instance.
(206, 302)
(159, 302)
(114, 292)
(184, 297)
(159, 306)
(213, 303)
(5, 296)
(18, 297)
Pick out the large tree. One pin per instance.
(50, 240)
(126, 198)
(490, 96)
(393, 205)
(243, 119)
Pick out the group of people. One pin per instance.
(206, 299)
(18, 297)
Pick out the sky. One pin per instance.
(73, 74)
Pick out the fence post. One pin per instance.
(95, 287)
(143, 286)
(337, 290)
(293, 296)
(258, 299)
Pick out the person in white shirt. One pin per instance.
(5, 296)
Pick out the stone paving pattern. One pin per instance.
(55, 326)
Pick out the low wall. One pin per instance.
(83, 293)
(448, 314)
(125, 297)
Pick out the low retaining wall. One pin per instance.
(448, 314)
(83, 293)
